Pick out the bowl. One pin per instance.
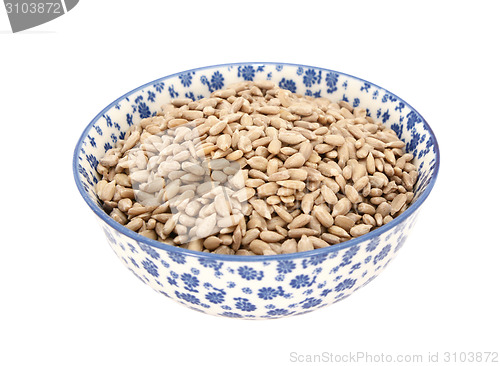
(257, 287)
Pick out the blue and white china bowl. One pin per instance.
(257, 287)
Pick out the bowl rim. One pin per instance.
(253, 258)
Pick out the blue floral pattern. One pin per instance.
(250, 287)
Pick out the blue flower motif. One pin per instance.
(92, 160)
(413, 119)
(385, 116)
(398, 128)
(195, 271)
(311, 302)
(354, 267)
(388, 97)
(269, 293)
(246, 72)
(143, 109)
(133, 262)
(172, 281)
(177, 257)
(351, 252)
(210, 263)
(300, 281)
(331, 79)
(365, 87)
(310, 77)
(110, 236)
(186, 79)
(151, 96)
(300, 70)
(129, 119)
(249, 273)
(285, 266)
(317, 94)
(231, 315)
(149, 250)
(333, 255)
(246, 290)
(108, 120)
(164, 264)
(187, 297)
(278, 312)
(159, 86)
(280, 277)
(215, 297)
(150, 267)
(244, 304)
(399, 246)
(279, 67)
(83, 172)
(373, 244)
(345, 285)
(288, 84)
(190, 282)
(317, 259)
(368, 259)
(415, 138)
(325, 292)
(383, 253)
(217, 80)
(172, 92)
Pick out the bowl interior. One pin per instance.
(113, 121)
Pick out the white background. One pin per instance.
(65, 299)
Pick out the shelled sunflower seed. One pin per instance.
(256, 170)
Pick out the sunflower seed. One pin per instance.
(295, 161)
(304, 244)
(323, 216)
(359, 230)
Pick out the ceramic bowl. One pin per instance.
(257, 287)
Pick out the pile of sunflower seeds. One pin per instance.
(256, 169)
